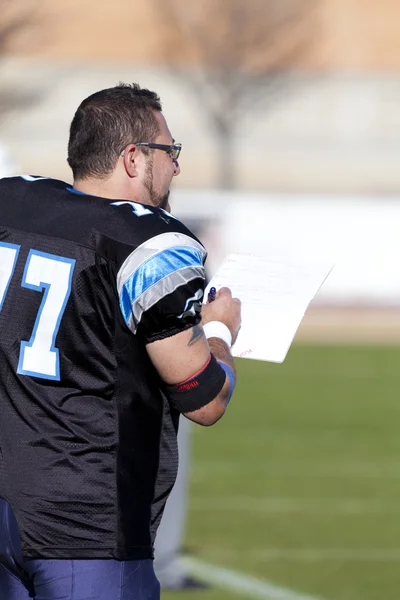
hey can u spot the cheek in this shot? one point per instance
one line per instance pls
(157, 179)
(163, 176)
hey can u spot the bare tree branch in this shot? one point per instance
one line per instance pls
(234, 54)
(16, 17)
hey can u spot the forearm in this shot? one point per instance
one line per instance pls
(212, 412)
(221, 352)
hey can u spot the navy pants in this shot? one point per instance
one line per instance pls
(48, 579)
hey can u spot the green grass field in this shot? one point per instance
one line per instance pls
(299, 484)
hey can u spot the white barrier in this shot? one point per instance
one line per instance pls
(362, 235)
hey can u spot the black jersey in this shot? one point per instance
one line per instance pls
(87, 438)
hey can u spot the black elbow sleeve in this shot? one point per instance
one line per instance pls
(199, 390)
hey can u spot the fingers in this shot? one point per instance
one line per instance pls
(225, 309)
(224, 291)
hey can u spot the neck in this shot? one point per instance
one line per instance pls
(104, 188)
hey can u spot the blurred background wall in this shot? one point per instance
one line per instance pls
(313, 89)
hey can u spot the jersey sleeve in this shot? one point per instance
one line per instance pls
(161, 286)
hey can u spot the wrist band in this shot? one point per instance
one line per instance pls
(231, 377)
(218, 330)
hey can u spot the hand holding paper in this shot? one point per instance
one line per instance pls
(222, 311)
(275, 293)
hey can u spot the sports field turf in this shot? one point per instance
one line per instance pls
(299, 484)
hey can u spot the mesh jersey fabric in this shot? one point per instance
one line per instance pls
(88, 450)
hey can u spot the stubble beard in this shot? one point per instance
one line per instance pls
(159, 200)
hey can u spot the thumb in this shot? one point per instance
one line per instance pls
(224, 291)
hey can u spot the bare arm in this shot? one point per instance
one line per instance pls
(179, 357)
(215, 409)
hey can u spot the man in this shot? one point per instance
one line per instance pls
(101, 349)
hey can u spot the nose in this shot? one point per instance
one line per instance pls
(177, 168)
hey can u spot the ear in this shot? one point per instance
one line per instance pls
(130, 157)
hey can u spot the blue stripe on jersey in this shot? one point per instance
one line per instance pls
(77, 192)
(153, 270)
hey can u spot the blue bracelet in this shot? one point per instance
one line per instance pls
(232, 379)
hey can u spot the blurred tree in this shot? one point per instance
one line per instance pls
(16, 16)
(239, 52)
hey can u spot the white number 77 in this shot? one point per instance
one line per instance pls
(39, 357)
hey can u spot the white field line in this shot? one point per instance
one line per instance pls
(342, 506)
(240, 583)
(309, 471)
(379, 555)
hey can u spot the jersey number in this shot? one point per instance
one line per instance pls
(52, 274)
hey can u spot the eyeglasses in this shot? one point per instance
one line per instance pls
(173, 150)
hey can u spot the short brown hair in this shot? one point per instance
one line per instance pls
(105, 123)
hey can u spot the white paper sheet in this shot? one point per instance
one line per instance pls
(275, 292)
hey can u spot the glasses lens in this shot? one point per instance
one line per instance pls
(175, 152)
